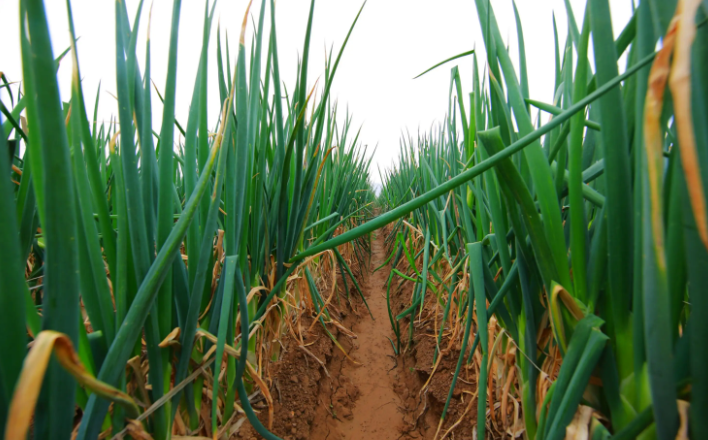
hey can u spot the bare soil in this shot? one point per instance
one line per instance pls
(374, 394)
(377, 413)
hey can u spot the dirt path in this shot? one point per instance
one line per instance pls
(379, 398)
(376, 414)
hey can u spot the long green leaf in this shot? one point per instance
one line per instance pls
(470, 173)
(53, 180)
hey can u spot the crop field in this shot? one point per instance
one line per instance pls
(532, 269)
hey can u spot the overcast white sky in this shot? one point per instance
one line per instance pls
(394, 40)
